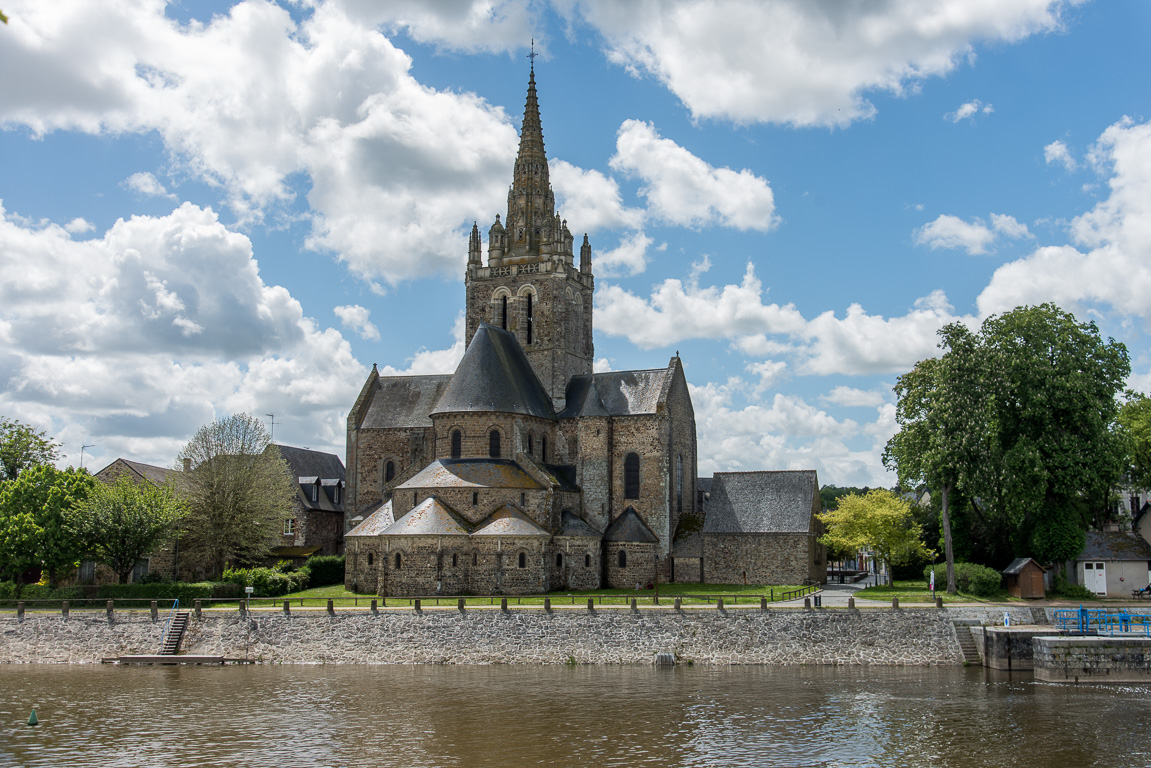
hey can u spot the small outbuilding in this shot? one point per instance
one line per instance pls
(1025, 578)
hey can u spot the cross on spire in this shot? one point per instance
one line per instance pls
(533, 55)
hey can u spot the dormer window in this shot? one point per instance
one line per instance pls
(316, 491)
(336, 494)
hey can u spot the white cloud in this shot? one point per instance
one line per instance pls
(590, 200)
(769, 373)
(603, 365)
(628, 258)
(968, 111)
(1114, 265)
(975, 237)
(130, 339)
(355, 318)
(1057, 153)
(852, 397)
(431, 361)
(682, 189)
(492, 26)
(147, 184)
(799, 62)
(79, 226)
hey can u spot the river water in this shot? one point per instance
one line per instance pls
(580, 716)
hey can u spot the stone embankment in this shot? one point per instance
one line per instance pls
(481, 636)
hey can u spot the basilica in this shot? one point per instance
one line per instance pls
(524, 471)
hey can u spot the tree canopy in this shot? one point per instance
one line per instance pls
(121, 522)
(39, 522)
(238, 494)
(1135, 418)
(21, 447)
(878, 521)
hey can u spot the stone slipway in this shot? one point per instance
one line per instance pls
(529, 636)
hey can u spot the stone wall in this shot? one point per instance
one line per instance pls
(1092, 659)
(762, 558)
(369, 449)
(490, 636)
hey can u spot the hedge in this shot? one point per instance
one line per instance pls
(326, 570)
(184, 591)
(971, 578)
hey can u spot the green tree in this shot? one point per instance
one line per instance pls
(1135, 418)
(879, 521)
(238, 494)
(942, 413)
(21, 447)
(123, 521)
(39, 522)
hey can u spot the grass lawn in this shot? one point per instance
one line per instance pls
(916, 591)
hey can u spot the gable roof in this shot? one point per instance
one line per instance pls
(153, 474)
(762, 502)
(629, 527)
(1017, 564)
(1115, 545)
(378, 519)
(471, 473)
(495, 375)
(404, 401)
(431, 517)
(509, 521)
(306, 463)
(572, 525)
(616, 393)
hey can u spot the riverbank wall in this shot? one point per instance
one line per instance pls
(477, 636)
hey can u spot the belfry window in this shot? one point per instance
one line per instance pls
(631, 476)
(543, 447)
(529, 319)
(457, 443)
(494, 444)
(504, 313)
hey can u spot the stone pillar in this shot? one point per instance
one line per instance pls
(807, 602)
(634, 608)
(895, 602)
(197, 607)
(462, 603)
(763, 603)
(939, 602)
(591, 603)
(155, 612)
(547, 604)
(678, 603)
(851, 602)
(111, 611)
(374, 608)
(20, 611)
(331, 606)
(287, 608)
(719, 603)
(64, 609)
(504, 604)
(416, 604)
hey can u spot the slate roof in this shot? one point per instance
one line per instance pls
(404, 401)
(1115, 545)
(471, 473)
(572, 525)
(153, 474)
(509, 521)
(495, 375)
(1017, 564)
(431, 517)
(308, 463)
(616, 393)
(629, 527)
(377, 520)
(761, 502)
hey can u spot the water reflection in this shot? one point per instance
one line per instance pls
(611, 716)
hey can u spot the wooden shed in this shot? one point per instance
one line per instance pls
(1025, 578)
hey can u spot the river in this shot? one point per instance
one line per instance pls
(588, 716)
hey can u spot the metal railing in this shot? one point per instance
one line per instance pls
(168, 622)
(1085, 621)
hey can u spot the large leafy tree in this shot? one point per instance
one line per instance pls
(942, 414)
(123, 521)
(879, 521)
(39, 521)
(21, 447)
(238, 493)
(1135, 417)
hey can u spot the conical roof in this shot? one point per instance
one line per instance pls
(509, 521)
(431, 517)
(495, 375)
(629, 527)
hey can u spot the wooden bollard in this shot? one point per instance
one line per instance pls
(416, 604)
(763, 603)
(895, 602)
(287, 607)
(374, 608)
(851, 602)
(547, 604)
(807, 602)
(155, 612)
(655, 599)
(678, 603)
(20, 611)
(938, 602)
(634, 608)
(591, 603)
(111, 610)
(197, 606)
(64, 609)
(719, 603)
(331, 606)
(461, 604)
(504, 604)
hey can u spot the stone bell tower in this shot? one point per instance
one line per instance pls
(530, 285)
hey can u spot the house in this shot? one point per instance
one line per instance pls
(164, 559)
(318, 524)
(1113, 563)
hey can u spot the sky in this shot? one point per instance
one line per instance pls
(209, 208)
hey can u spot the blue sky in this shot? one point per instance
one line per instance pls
(211, 208)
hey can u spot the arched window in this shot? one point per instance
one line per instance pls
(587, 561)
(543, 447)
(528, 317)
(531, 445)
(399, 561)
(631, 476)
(523, 560)
(623, 558)
(559, 559)
(454, 561)
(504, 313)
(475, 558)
(457, 443)
(369, 558)
(494, 444)
(389, 471)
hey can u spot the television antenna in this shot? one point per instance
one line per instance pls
(272, 429)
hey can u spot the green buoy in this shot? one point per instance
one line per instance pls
(32, 719)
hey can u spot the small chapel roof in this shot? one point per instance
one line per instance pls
(509, 521)
(616, 393)
(629, 527)
(495, 375)
(762, 502)
(431, 517)
(404, 401)
(471, 473)
(572, 525)
(379, 517)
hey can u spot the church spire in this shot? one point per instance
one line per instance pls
(531, 203)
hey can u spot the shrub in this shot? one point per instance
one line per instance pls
(326, 569)
(268, 582)
(1063, 588)
(165, 591)
(971, 578)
